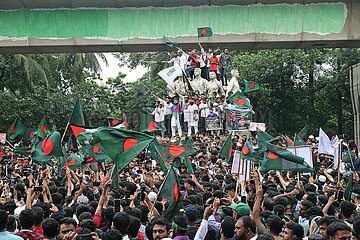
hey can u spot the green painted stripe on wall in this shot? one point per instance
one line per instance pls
(183, 21)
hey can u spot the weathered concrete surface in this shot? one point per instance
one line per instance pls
(324, 24)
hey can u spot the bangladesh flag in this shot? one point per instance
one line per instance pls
(262, 138)
(41, 130)
(204, 32)
(120, 145)
(116, 122)
(73, 161)
(148, 123)
(95, 152)
(170, 151)
(240, 100)
(348, 188)
(188, 165)
(298, 141)
(154, 154)
(47, 148)
(251, 86)
(170, 191)
(289, 141)
(15, 131)
(25, 151)
(2, 154)
(278, 158)
(28, 134)
(227, 149)
(249, 153)
(304, 133)
(168, 42)
(77, 116)
(92, 163)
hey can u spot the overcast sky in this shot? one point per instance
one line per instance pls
(113, 69)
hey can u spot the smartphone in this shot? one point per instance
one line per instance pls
(40, 181)
(339, 196)
(87, 172)
(37, 189)
(127, 194)
(80, 236)
(117, 205)
(243, 199)
(142, 194)
(96, 184)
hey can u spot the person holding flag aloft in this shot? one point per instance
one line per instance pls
(175, 118)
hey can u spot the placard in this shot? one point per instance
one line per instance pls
(304, 152)
(212, 123)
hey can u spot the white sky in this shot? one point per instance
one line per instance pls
(113, 69)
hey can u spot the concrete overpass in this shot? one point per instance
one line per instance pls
(41, 26)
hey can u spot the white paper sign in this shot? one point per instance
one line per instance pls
(304, 152)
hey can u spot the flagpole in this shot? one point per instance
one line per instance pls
(7, 142)
(67, 125)
(339, 160)
(160, 188)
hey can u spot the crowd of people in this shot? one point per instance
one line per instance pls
(44, 202)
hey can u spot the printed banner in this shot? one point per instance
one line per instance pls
(238, 119)
(212, 123)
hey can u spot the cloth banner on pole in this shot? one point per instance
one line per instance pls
(169, 74)
(235, 168)
(254, 126)
(238, 119)
(325, 145)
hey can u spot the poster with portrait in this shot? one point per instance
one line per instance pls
(238, 119)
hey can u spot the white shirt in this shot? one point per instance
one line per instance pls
(159, 114)
(176, 61)
(183, 61)
(204, 109)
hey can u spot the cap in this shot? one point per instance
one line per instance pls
(322, 178)
(82, 200)
(191, 210)
(152, 196)
(241, 209)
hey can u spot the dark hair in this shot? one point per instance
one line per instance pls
(84, 208)
(265, 237)
(230, 187)
(314, 211)
(38, 215)
(181, 220)
(50, 227)
(347, 208)
(228, 227)
(311, 197)
(161, 221)
(326, 220)
(337, 226)
(84, 231)
(307, 204)
(296, 229)
(121, 222)
(68, 221)
(282, 201)
(275, 224)
(134, 226)
(268, 203)
(3, 219)
(68, 211)
(89, 224)
(248, 223)
(11, 224)
(27, 219)
(112, 235)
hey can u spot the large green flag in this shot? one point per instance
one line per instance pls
(278, 158)
(77, 116)
(262, 138)
(50, 147)
(348, 189)
(41, 130)
(175, 150)
(249, 153)
(25, 151)
(121, 145)
(251, 86)
(226, 151)
(170, 191)
(154, 153)
(240, 100)
(298, 141)
(73, 161)
(304, 133)
(15, 131)
(148, 123)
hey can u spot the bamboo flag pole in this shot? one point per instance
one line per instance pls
(339, 160)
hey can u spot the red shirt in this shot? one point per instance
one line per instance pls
(214, 62)
(38, 229)
(193, 63)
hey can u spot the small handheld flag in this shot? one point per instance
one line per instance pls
(169, 42)
(204, 32)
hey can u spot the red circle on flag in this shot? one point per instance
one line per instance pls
(129, 143)
(114, 122)
(31, 133)
(96, 149)
(152, 125)
(43, 128)
(203, 32)
(251, 85)
(47, 146)
(72, 162)
(13, 129)
(272, 155)
(290, 141)
(245, 150)
(230, 152)
(241, 101)
(2, 154)
(176, 150)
